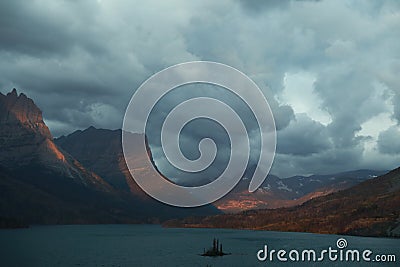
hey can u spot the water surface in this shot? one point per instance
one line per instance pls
(152, 245)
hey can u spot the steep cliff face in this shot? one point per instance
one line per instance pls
(19, 110)
(25, 140)
(24, 136)
(42, 184)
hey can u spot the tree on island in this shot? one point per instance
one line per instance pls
(215, 251)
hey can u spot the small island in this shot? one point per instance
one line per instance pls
(215, 251)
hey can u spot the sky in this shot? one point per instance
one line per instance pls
(329, 69)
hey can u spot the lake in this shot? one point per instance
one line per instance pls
(152, 245)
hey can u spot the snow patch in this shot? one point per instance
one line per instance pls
(268, 187)
(282, 186)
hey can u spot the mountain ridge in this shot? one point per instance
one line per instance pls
(276, 192)
(367, 209)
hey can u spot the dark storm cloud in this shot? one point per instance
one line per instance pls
(40, 28)
(329, 161)
(81, 61)
(397, 107)
(389, 141)
(303, 137)
(61, 56)
(194, 131)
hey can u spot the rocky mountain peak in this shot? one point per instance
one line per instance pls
(19, 111)
(25, 141)
(13, 93)
(24, 136)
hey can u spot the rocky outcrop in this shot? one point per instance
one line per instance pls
(20, 110)
(23, 133)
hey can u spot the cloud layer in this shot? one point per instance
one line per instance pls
(328, 68)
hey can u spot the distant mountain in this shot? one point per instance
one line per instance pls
(370, 208)
(42, 183)
(277, 193)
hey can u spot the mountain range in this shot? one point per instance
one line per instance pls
(370, 208)
(100, 151)
(276, 193)
(41, 183)
(83, 178)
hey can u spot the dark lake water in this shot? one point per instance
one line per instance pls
(152, 245)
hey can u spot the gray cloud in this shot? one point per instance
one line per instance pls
(43, 28)
(256, 6)
(82, 60)
(389, 141)
(303, 137)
